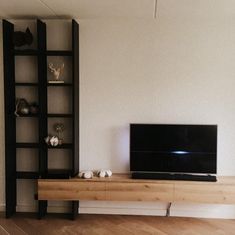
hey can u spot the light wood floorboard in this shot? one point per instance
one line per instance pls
(26, 224)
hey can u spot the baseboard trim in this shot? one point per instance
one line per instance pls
(121, 211)
(207, 214)
(220, 213)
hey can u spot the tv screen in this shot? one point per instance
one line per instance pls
(173, 148)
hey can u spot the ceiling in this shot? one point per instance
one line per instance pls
(196, 9)
(76, 8)
(79, 9)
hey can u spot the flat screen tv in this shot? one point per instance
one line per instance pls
(173, 148)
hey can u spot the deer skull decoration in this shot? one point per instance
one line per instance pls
(56, 71)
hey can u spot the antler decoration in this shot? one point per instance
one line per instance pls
(56, 71)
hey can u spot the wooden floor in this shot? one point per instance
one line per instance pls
(114, 225)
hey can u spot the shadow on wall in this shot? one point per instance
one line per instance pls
(119, 149)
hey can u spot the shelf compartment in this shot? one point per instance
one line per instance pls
(60, 98)
(27, 145)
(58, 174)
(59, 115)
(26, 52)
(27, 175)
(59, 53)
(27, 130)
(63, 146)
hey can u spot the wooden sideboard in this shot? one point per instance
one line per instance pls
(120, 187)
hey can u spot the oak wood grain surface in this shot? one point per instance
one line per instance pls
(25, 224)
(120, 187)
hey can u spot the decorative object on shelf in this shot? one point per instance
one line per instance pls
(22, 107)
(85, 174)
(56, 72)
(52, 140)
(104, 173)
(33, 108)
(59, 128)
(47, 139)
(22, 38)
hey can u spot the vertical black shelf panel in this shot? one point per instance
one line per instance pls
(75, 74)
(42, 91)
(75, 61)
(42, 98)
(10, 122)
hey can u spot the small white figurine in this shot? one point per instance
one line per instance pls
(55, 71)
(52, 140)
(104, 173)
(85, 174)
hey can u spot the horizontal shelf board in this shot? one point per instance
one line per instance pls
(26, 84)
(27, 175)
(50, 115)
(26, 52)
(34, 52)
(27, 145)
(28, 115)
(48, 84)
(55, 115)
(59, 53)
(58, 174)
(59, 84)
(63, 146)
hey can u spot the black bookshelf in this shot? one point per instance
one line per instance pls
(28, 115)
(58, 174)
(60, 84)
(27, 52)
(26, 145)
(27, 175)
(26, 84)
(11, 144)
(62, 115)
(59, 53)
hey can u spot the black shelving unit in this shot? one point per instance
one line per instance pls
(60, 84)
(10, 85)
(26, 84)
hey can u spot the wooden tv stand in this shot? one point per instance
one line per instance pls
(120, 187)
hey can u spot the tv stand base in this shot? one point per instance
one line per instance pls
(121, 187)
(173, 176)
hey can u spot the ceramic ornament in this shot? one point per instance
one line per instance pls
(22, 38)
(85, 174)
(54, 141)
(56, 71)
(21, 107)
(104, 173)
(101, 174)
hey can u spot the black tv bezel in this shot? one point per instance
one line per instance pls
(174, 172)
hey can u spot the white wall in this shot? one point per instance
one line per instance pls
(164, 71)
(154, 72)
